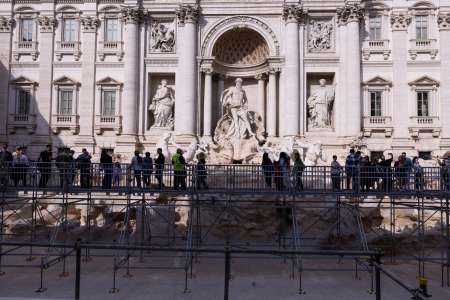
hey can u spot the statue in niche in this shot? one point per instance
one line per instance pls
(320, 106)
(239, 131)
(162, 106)
(162, 38)
(320, 36)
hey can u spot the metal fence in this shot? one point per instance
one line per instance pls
(221, 178)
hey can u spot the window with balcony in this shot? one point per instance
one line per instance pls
(23, 102)
(111, 30)
(65, 106)
(69, 33)
(26, 30)
(422, 104)
(425, 102)
(109, 103)
(65, 102)
(110, 44)
(107, 110)
(375, 27)
(21, 107)
(25, 34)
(376, 103)
(422, 27)
(377, 114)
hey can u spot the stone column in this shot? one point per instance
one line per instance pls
(400, 117)
(6, 26)
(271, 121)
(261, 96)
(186, 75)
(290, 105)
(45, 90)
(341, 96)
(444, 38)
(351, 14)
(207, 103)
(130, 18)
(87, 111)
(220, 89)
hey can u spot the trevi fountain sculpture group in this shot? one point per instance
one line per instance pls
(239, 136)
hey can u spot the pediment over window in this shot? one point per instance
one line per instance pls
(108, 81)
(64, 80)
(378, 81)
(22, 80)
(424, 81)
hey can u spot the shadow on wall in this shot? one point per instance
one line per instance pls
(24, 125)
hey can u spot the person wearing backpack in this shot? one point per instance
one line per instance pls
(179, 170)
(136, 166)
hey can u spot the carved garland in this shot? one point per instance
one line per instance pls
(444, 21)
(6, 24)
(242, 20)
(90, 23)
(400, 21)
(46, 23)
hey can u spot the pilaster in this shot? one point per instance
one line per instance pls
(131, 17)
(6, 26)
(400, 22)
(290, 105)
(350, 16)
(444, 37)
(47, 26)
(186, 74)
(89, 25)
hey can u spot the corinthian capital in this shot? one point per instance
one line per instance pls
(400, 21)
(46, 23)
(131, 15)
(187, 13)
(293, 13)
(444, 21)
(89, 23)
(6, 24)
(349, 13)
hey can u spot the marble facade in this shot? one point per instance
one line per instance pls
(86, 74)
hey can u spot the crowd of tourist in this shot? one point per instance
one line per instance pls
(358, 173)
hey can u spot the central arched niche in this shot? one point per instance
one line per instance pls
(241, 47)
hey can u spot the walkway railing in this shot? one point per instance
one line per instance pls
(73, 176)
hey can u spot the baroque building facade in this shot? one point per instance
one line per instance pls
(120, 74)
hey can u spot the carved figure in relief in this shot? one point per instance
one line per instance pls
(320, 36)
(163, 38)
(320, 106)
(162, 106)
